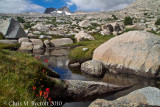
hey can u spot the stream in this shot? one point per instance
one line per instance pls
(58, 61)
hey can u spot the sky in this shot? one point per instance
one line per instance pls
(17, 6)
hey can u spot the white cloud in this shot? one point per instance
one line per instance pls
(102, 5)
(69, 4)
(48, 0)
(16, 6)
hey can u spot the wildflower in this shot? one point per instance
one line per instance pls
(43, 70)
(49, 99)
(45, 60)
(47, 90)
(34, 88)
(42, 85)
(37, 95)
(40, 93)
(39, 57)
(45, 95)
(36, 57)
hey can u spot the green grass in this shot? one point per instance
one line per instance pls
(1, 36)
(19, 73)
(157, 22)
(8, 46)
(128, 29)
(78, 55)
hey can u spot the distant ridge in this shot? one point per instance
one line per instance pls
(65, 8)
(64, 11)
(49, 10)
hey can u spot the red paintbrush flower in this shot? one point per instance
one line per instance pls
(43, 70)
(45, 95)
(47, 90)
(49, 99)
(40, 93)
(42, 85)
(37, 95)
(34, 88)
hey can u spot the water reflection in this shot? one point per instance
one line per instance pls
(124, 80)
(58, 61)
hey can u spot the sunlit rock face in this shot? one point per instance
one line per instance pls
(135, 52)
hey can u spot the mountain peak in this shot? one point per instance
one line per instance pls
(65, 9)
(49, 10)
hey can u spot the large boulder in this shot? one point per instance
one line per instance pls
(57, 33)
(137, 26)
(85, 23)
(93, 68)
(81, 36)
(23, 39)
(107, 27)
(26, 46)
(113, 27)
(48, 44)
(145, 97)
(61, 42)
(11, 29)
(135, 53)
(40, 27)
(38, 44)
(105, 32)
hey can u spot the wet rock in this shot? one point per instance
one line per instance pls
(81, 36)
(38, 44)
(75, 65)
(93, 68)
(11, 29)
(134, 53)
(148, 96)
(88, 90)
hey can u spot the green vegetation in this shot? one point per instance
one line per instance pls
(22, 77)
(145, 14)
(128, 21)
(114, 17)
(21, 20)
(28, 25)
(78, 55)
(8, 46)
(157, 22)
(54, 20)
(128, 29)
(1, 36)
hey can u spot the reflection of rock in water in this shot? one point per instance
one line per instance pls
(57, 52)
(58, 61)
(120, 79)
(38, 52)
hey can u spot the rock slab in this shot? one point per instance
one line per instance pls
(149, 96)
(11, 29)
(135, 53)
